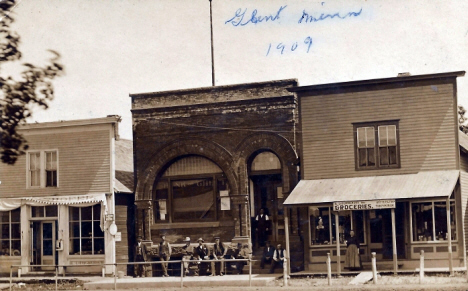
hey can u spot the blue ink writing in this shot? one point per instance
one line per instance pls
(307, 18)
(284, 48)
(240, 14)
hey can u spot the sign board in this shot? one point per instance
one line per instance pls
(225, 203)
(364, 205)
(118, 236)
(224, 193)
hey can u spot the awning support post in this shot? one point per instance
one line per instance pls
(286, 230)
(338, 252)
(395, 262)
(449, 237)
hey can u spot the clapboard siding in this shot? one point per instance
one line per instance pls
(426, 128)
(84, 164)
(464, 192)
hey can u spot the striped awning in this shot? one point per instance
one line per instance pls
(420, 185)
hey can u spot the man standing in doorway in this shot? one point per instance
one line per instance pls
(262, 228)
(164, 253)
(140, 256)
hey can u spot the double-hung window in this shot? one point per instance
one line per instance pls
(10, 233)
(42, 169)
(376, 145)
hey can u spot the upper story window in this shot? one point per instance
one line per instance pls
(377, 145)
(42, 169)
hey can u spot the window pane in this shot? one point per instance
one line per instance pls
(86, 246)
(74, 229)
(47, 247)
(392, 155)
(370, 137)
(16, 215)
(74, 213)
(4, 216)
(453, 222)
(422, 221)
(51, 160)
(383, 138)
(51, 178)
(383, 156)
(5, 250)
(47, 230)
(391, 130)
(37, 211)
(344, 225)
(51, 211)
(97, 212)
(320, 225)
(35, 178)
(371, 157)
(74, 246)
(99, 246)
(185, 192)
(86, 229)
(440, 215)
(5, 230)
(375, 219)
(97, 229)
(358, 225)
(361, 137)
(34, 161)
(16, 247)
(15, 230)
(87, 213)
(362, 157)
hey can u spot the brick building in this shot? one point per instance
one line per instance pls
(207, 159)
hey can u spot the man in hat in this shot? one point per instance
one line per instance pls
(201, 253)
(140, 256)
(217, 253)
(165, 252)
(187, 250)
(267, 256)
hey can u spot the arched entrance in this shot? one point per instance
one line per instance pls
(266, 192)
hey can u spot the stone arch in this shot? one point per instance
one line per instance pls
(184, 147)
(275, 143)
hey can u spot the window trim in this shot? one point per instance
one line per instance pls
(42, 168)
(80, 237)
(375, 125)
(433, 219)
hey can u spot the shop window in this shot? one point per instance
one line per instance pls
(430, 221)
(42, 169)
(376, 145)
(322, 225)
(10, 233)
(86, 236)
(189, 190)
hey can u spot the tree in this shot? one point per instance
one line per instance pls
(462, 119)
(18, 97)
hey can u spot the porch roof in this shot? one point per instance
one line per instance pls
(420, 185)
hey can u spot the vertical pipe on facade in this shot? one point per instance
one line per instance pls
(338, 251)
(286, 230)
(395, 263)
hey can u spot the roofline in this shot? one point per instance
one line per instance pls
(293, 82)
(377, 81)
(67, 123)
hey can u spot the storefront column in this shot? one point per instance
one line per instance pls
(286, 231)
(26, 249)
(143, 219)
(449, 237)
(337, 238)
(395, 262)
(240, 203)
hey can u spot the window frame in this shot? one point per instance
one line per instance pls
(42, 168)
(80, 236)
(10, 231)
(376, 125)
(433, 230)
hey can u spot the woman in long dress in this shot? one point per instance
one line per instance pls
(352, 258)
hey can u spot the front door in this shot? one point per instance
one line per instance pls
(44, 244)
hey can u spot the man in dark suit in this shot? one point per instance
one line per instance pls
(201, 253)
(263, 224)
(165, 252)
(278, 258)
(140, 256)
(217, 253)
(267, 256)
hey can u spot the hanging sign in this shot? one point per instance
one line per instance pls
(364, 205)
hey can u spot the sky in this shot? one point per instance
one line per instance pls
(112, 48)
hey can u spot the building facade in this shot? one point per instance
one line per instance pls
(208, 159)
(381, 157)
(58, 202)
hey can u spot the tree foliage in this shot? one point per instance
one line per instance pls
(18, 97)
(462, 120)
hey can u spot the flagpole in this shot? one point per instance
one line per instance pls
(212, 57)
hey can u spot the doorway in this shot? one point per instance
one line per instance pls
(43, 244)
(265, 194)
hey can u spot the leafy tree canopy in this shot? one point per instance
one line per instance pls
(462, 120)
(19, 96)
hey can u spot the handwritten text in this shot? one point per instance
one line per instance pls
(240, 14)
(307, 18)
(283, 48)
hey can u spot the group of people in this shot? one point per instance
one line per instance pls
(194, 256)
(272, 256)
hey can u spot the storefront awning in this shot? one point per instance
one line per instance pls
(420, 185)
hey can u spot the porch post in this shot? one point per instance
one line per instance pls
(449, 237)
(338, 252)
(395, 263)
(286, 230)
